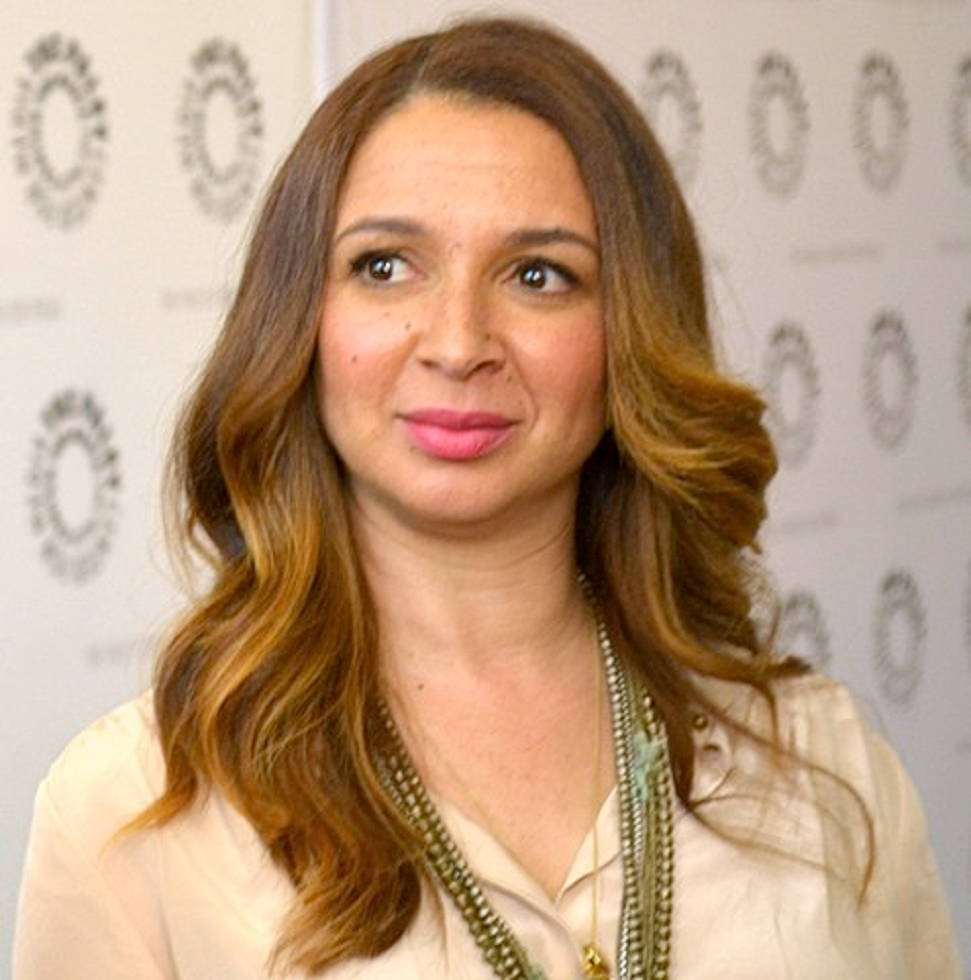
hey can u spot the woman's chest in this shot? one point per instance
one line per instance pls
(736, 917)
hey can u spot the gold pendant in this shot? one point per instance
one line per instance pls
(594, 965)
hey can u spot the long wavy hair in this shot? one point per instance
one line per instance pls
(268, 686)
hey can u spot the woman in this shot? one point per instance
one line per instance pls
(477, 689)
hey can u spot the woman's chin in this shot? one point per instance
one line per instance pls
(461, 513)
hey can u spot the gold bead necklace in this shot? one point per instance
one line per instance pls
(644, 786)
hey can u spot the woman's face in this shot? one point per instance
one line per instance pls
(461, 336)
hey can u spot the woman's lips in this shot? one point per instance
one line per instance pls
(448, 434)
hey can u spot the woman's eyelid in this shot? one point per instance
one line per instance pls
(567, 275)
(367, 253)
(361, 259)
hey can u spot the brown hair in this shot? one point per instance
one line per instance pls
(268, 686)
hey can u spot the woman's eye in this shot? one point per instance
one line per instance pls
(383, 267)
(545, 277)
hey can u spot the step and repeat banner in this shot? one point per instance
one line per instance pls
(135, 140)
(825, 148)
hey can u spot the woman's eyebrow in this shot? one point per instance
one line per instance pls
(415, 229)
(549, 236)
(396, 226)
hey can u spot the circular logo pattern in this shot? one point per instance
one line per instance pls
(803, 629)
(889, 380)
(220, 129)
(671, 104)
(73, 483)
(60, 131)
(964, 366)
(899, 628)
(791, 385)
(778, 125)
(880, 122)
(961, 120)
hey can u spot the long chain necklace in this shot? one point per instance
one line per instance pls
(646, 839)
(592, 959)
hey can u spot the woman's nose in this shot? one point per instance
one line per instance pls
(458, 336)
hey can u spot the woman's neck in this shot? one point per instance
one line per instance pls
(490, 667)
(497, 603)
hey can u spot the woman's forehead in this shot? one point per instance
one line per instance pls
(452, 155)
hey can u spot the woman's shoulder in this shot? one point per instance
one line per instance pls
(824, 722)
(813, 692)
(829, 727)
(817, 720)
(800, 703)
(811, 713)
(818, 712)
(107, 773)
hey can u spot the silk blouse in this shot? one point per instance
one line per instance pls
(774, 894)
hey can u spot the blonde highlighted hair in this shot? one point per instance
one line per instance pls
(267, 688)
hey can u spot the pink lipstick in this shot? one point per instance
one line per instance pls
(447, 434)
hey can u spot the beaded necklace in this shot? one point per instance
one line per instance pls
(644, 789)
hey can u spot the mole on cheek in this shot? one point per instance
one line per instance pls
(407, 327)
(353, 358)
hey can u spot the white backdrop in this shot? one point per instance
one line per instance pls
(826, 149)
(135, 140)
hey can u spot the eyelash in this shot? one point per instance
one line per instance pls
(569, 277)
(360, 263)
(359, 266)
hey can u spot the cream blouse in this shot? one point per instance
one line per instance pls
(200, 899)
